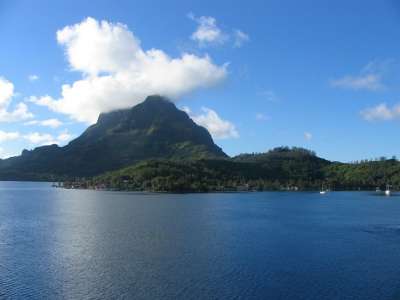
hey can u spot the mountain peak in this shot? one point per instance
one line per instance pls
(156, 99)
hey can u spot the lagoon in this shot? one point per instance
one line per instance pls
(83, 244)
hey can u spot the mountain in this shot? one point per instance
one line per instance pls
(153, 129)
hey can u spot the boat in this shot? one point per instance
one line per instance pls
(323, 190)
(387, 191)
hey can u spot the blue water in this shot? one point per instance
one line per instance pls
(77, 244)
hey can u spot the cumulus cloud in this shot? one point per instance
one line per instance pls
(207, 32)
(117, 73)
(20, 111)
(33, 77)
(53, 123)
(218, 128)
(240, 38)
(308, 136)
(381, 112)
(8, 136)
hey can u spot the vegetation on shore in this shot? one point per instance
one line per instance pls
(282, 168)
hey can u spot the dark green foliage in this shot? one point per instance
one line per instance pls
(366, 175)
(291, 169)
(279, 169)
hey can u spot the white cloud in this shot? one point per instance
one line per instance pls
(240, 38)
(33, 77)
(308, 136)
(6, 154)
(381, 112)
(8, 136)
(53, 123)
(117, 73)
(369, 78)
(207, 32)
(261, 117)
(20, 111)
(42, 139)
(218, 128)
(187, 110)
(39, 138)
(6, 92)
(64, 136)
(370, 82)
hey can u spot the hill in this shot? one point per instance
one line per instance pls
(283, 167)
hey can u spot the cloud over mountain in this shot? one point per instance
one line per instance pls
(218, 127)
(118, 73)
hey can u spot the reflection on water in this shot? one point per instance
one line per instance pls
(76, 244)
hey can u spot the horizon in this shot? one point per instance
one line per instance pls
(318, 76)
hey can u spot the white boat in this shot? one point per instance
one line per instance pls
(387, 191)
(323, 190)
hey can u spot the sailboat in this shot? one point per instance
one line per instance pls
(387, 191)
(322, 191)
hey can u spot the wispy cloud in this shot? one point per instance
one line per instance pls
(33, 77)
(369, 78)
(262, 117)
(308, 136)
(240, 38)
(381, 112)
(370, 82)
(268, 95)
(53, 123)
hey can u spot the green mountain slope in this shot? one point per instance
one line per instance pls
(154, 129)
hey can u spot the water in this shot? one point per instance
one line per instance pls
(76, 244)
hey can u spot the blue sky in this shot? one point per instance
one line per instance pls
(259, 74)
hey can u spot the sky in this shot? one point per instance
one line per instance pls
(324, 75)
